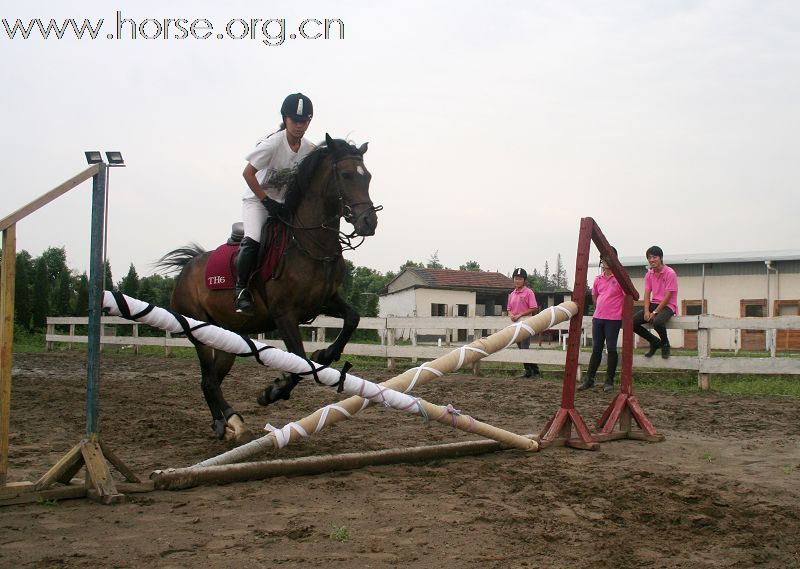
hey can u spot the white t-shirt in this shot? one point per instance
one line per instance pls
(275, 162)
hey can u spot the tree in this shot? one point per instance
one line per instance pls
(560, 276)
(546, 275)
(41, 296)
(411, 265)
(23, 302)
(130, 283)
(81, 306)
(470, 266)
(433, 261)
(537, 281)
(108, 280)
(62, 295)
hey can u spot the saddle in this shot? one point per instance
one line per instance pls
(221, 266)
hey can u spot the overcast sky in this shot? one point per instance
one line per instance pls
(493, 127)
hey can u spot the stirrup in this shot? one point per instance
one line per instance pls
(244, 301)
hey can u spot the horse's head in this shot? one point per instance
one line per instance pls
(351, 179)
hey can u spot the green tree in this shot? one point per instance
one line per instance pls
(63, 295)
(81, 305)
(108, 280)
(411, 265)
(560, 276)
(41, 294)
(433, 261)
(130, 283)
(536, 281)
(23, 302)
(470, 266)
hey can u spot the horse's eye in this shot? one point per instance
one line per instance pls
(347, 175)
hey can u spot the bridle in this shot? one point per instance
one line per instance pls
(345, 211)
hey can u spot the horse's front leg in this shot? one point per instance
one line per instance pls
(338, 308)
(282, 387)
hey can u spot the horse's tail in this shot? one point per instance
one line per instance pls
(178, 258)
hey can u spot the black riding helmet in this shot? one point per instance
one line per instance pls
(519, 272)
(297, 107)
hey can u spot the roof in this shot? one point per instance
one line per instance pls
(453, 280)
(700, 258)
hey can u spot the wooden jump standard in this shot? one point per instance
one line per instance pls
(558, 431)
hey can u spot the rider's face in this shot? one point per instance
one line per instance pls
(297, 128)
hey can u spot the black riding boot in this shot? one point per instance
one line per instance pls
(245, 265)
(594, 363)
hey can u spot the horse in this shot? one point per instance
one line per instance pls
(331, 183)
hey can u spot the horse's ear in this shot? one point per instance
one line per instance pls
(363, 148)
(328, 140)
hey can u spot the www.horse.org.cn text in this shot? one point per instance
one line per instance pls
(268, 31)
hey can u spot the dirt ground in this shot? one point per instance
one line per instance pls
(722, 490)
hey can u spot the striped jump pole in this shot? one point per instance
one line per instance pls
(405, 382)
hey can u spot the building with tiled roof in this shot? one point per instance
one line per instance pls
(445, 292)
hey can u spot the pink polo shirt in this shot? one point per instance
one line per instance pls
(521, 300)
(609, 297)
(659, 283)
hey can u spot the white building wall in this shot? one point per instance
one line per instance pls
(401, 303)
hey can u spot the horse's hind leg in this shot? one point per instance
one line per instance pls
(214, 366)
(338, 308)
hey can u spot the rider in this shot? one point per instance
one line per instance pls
(269, 168)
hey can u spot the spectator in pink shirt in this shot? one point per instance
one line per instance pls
(660, 302)
(521, 304)
(606, 324)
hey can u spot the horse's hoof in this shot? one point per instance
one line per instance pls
(218, 426)
(272, 395)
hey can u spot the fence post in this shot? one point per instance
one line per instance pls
(703, 352)
(166, 342)
(136, 335)
(51, 329)
(390, 342)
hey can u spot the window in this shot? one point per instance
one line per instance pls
(438, 309)
(692, 308)
(753, 340)
(787, 340)
(462, 309)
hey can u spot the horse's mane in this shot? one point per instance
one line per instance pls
(336, 149)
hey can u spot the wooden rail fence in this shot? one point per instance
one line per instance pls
(704, 363)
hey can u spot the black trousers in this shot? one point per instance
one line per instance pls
(530, 369)
(604, 332)
(659, 324)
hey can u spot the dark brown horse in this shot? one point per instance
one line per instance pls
(331, 183)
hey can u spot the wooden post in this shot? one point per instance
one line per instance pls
(7, 277)
(703, 352)
(558, 430)
(390, 333)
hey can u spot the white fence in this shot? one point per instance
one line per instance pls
(388, 329)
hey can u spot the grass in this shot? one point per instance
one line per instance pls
(340, 533)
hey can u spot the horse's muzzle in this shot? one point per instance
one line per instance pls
(366, 222)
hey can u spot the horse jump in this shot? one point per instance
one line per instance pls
(221, 339)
